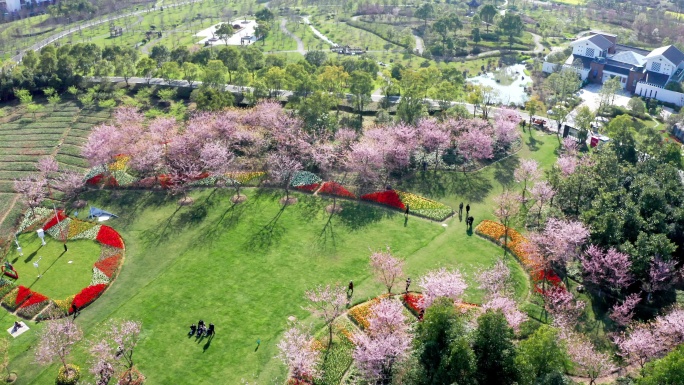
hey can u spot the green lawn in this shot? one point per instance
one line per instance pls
(63, 274)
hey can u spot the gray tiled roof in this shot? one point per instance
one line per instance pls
(630, 58)
(656, 78)
(616, 69)
(601, 41)
(670, 52)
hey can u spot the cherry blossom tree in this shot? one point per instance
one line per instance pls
(386, 268)
(55, 343)
(542, 192)
(588, 361)
(507, 207)
(70, 183)
(327, 302)
(567, 165)
(641, 345)
(433, 137)
(441, 283)
(31, 189)
(509, 308)
(660, 275)
(622, 314)
(283, 169)
(559, 242)
(570, 146)
(563, 306)
(115, 349)
(386, 341)
(475, 145)
(366, 160)
(526, 173)
(609, 268)
(47, 165)
(495, 281)
(216, 159)
(297, 350)
(506, 127)
(103, 143)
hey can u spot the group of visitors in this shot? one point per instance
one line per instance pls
(469, 219)
(201, 330)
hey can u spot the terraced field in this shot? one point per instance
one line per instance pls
(25, 138)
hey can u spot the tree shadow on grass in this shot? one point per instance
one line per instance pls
(503, 170)
(227, 220)
(471, 186)
(474, 187)
(356, 215)
(160, 233)
(327, 235)
(532, 143)
(268, 234)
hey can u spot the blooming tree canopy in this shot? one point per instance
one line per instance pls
(386, 268)
(56, 340)
(609, 268)
(296, 349)
(441, 283)
(327, 302)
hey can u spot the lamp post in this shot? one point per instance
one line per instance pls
(35, 264)
(41, 235)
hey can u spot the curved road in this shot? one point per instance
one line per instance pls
(51, 39)
(300, 43)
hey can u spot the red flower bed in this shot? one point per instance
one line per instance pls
(53, 221)
(22, 294)
(112, 182)
(546, 275)
(334, 188)
(411, 301)
(387, 198)
(108, 236)
(109, 265)
(33, 299)
(308, 187)
(165, 181)
(86, 296)
(95, 180)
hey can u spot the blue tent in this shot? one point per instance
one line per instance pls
(96, 212)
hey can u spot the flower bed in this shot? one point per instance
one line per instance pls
(107, 236)
(120, 162)
(54, 220)
(122, 178)
(93, 172)
(208, 181)
(308, 187)
(411, 301)
(360, 313)
(86, 296)
(30, 304)
(303, 178)
(334, 188)
(424, 207)
(495, 232)
(32, 218)
(245, 177)
(94, 181)
(108, 266)
(387, 198)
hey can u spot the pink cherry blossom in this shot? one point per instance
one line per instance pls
(609, 268)
(441, 283)
(514, 317)
(297, 351)
(623, 313)
(387, 269)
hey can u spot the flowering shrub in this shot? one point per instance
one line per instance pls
(308, 187)
(334, 188)
(68, 376)
(107, 236)
(108, 265)
(388, 198)
(425, 207)
(208, 181)
(87, 296)
(55, 218)
(303, 178)
(98, 277)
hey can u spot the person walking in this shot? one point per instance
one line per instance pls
(350, 289)
(467, 209)
(408, 283)
(460, 209)
(407, 211)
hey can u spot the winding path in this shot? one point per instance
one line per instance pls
(300, 43)
(420, 46)
(317, 32)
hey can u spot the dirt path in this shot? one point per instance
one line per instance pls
(420, 46)
(538, 47)
(9, 209)
(300, 43)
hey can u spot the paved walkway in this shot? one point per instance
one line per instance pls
(317, 32)
(300, 43)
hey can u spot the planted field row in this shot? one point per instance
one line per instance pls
(7, 185)
(29, 144)
(17, 158)
(76, 162)
(81, 126)
(79, 133)
(9, 175)
(26, 151)
(74, 140)
(70, 150)
(17, 166)
(24, 133)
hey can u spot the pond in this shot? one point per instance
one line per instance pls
(508, 82)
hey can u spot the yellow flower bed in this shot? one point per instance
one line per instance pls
(120, 163)
(495, 231)
(424, 207)
(245, 177)
(77, 227)
(360, 313)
